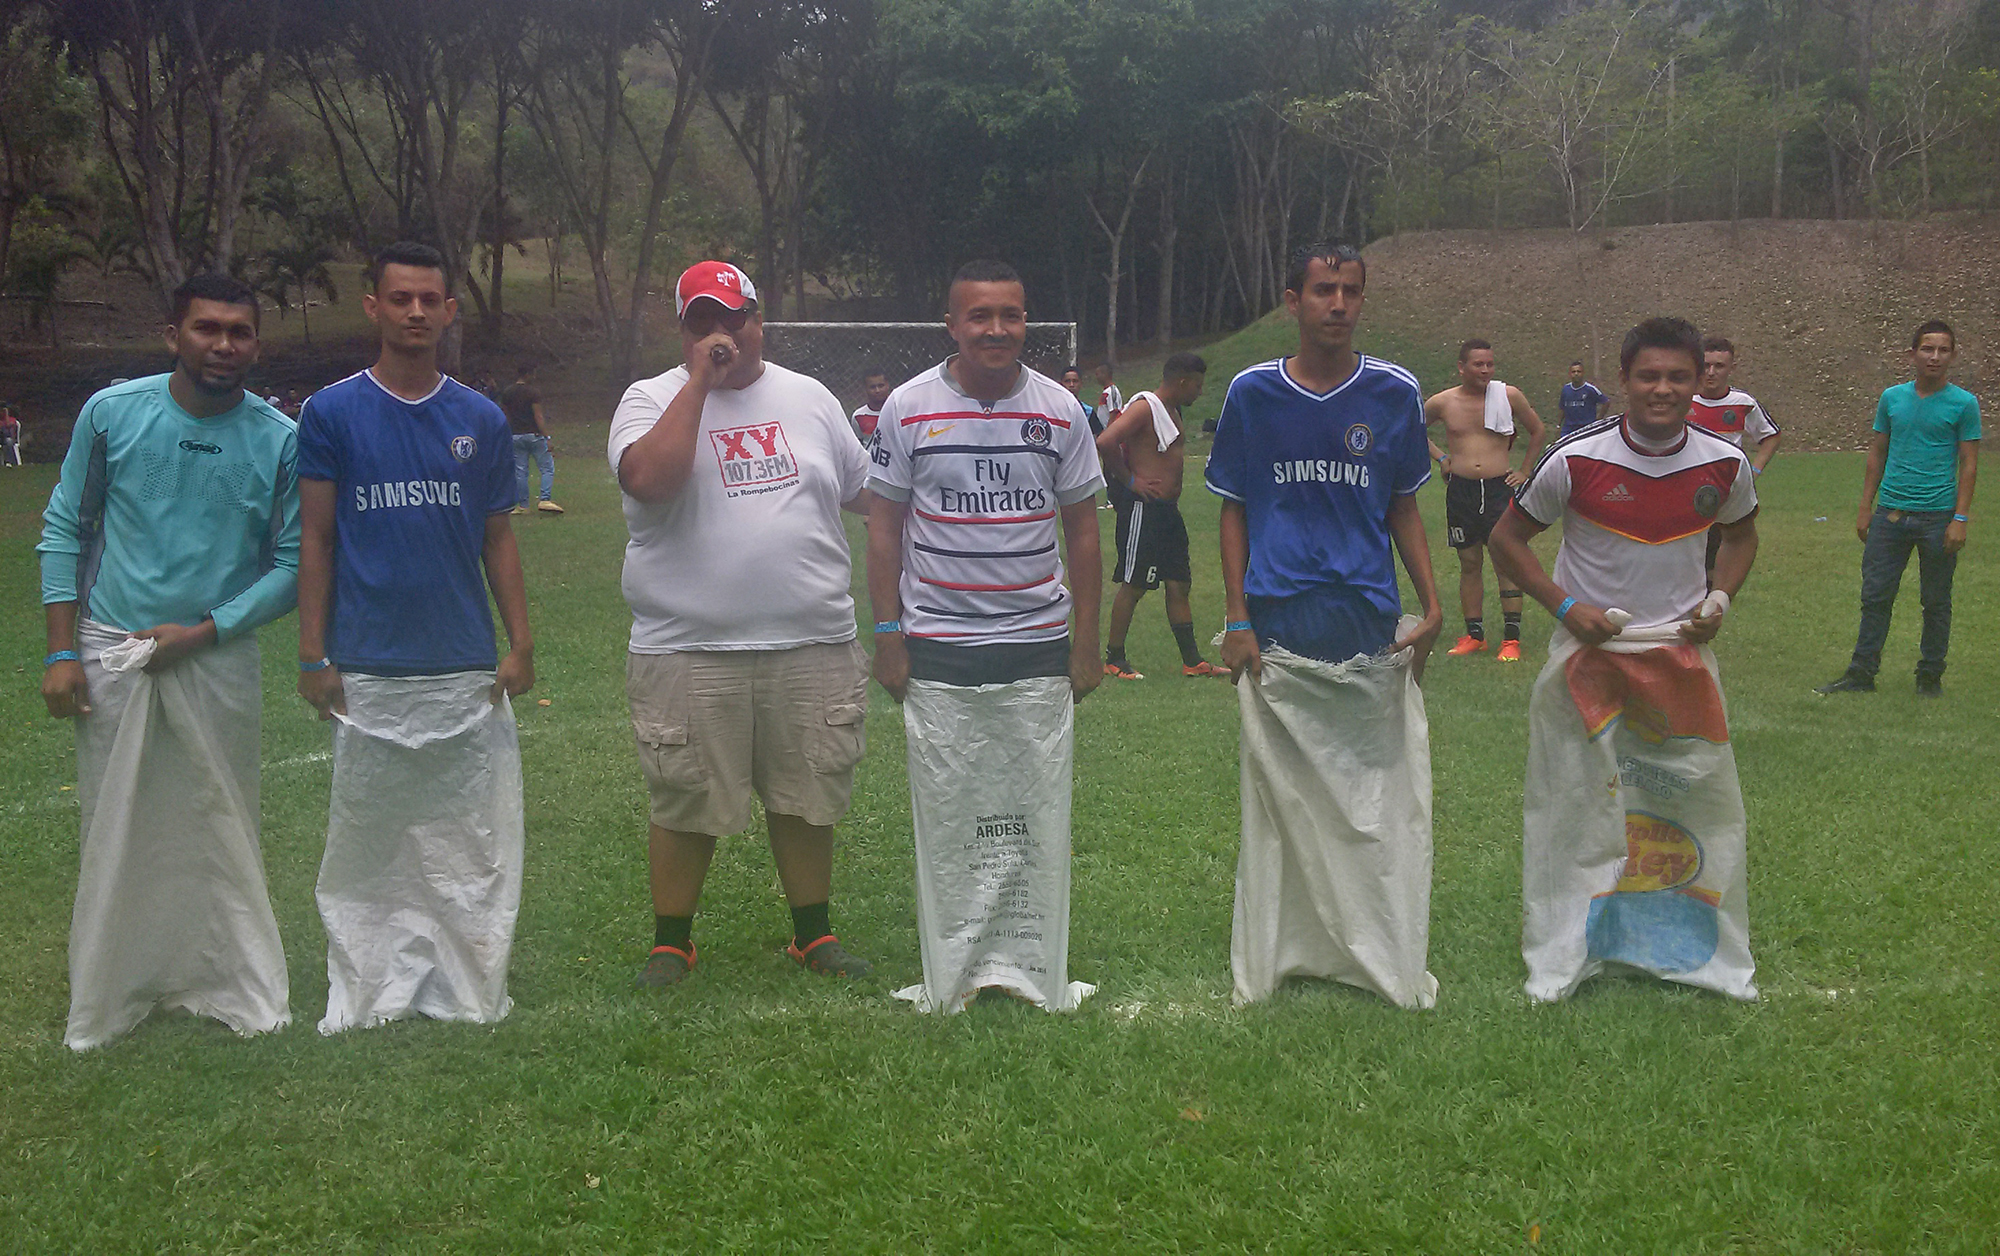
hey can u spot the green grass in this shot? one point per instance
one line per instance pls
(1855, 1109)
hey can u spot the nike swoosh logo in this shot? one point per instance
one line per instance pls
(935, 430)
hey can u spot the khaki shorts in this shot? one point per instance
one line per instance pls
(714, 725)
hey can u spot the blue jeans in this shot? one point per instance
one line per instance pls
(536, 447)
(1883, 560)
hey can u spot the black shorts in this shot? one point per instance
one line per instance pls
(1152, 544)
(1472, 507)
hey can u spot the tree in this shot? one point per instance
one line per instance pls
(45, 120)
(182, 88)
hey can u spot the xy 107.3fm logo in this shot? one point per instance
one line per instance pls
(755, 458)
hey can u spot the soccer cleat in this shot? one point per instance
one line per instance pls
(1849, 682)
(1929, 686)
(1510, 652)
(666, 966)
(549, 507)
(1204, 668)
(1123, 671)
(1468, 645)
(828, 956)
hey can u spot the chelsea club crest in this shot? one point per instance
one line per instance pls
(1358, 439)
(463, 447)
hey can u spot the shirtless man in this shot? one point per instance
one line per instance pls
(1479, 481)
(1143, 448)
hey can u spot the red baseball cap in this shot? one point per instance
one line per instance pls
(720, 282)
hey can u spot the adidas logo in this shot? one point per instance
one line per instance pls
(1619, 493)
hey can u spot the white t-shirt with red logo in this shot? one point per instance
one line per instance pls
(1735, 416)
(1635, 519)
(751, 553)
(864, 420)
(984, 483)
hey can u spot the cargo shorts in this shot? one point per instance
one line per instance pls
(714, 726)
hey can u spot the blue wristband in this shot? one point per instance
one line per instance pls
(1238, 625)
(61, 656)
(889, 625)
(1563, 608)
(1960, 519)
(320, 666)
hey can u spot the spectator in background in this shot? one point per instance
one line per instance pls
(875, 386)
(1581, 404)
(522, 403)
(10, 438)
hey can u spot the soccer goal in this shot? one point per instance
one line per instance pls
(835, 354)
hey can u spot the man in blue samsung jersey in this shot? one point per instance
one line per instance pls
(1318, 458)
(172, 536)
(406, 481)
(1582, 403)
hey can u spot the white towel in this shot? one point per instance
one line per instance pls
(1499, 414)
(1165, 430)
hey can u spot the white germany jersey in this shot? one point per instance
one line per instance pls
(984, 483)
(1735, 416)
(1635, 522)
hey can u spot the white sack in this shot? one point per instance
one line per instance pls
(171, 906)
(990, 774)
(1334, 876)
(1633, 848)
(422, 876)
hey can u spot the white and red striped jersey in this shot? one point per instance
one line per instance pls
(863, 420)
(1635, 519)
(1735, 416)
(984, 483)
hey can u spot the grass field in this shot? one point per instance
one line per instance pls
(1855, 1109)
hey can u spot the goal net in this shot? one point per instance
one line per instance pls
(836, 354)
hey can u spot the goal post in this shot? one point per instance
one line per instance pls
(836, 354)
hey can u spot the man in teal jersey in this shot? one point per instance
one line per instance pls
(1915, 494)
(172, 536)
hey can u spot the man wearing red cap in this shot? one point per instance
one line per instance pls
(744, 675)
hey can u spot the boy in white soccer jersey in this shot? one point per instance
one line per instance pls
(875, 389)
(974, 462)
(1634, 845)
(1731, 414)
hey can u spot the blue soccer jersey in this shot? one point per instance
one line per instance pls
(1315, 473)
(414, 484)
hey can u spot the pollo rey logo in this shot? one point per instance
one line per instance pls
(1659, 855)
(754, 459)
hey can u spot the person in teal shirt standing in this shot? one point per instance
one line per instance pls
(171, 537)
(1915, 495)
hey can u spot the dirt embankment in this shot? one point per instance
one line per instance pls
(1821, 312)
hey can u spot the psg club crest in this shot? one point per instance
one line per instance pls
(1707, 500)
(1358, 439)
(1035, 432)
(463, 447)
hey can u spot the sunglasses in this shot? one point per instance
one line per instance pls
(702, 319)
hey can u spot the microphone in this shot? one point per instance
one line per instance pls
(718, 355)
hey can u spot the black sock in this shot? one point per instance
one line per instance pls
(809, 924)
(1114, 652)
(1184, 637)
(672, 931)
(1512, 629)
(1475, 627)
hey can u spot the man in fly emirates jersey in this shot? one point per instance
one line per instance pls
(1731, 414)
(1634, 850)
(974, 462)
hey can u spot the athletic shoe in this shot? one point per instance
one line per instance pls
(666, 966)
(1123, 671)
(549, 507)
(522, 510)
(1930, 687)
(1849, 682)
(1467, 645)
(1205, 668)
(1510, 652)
(828, 956)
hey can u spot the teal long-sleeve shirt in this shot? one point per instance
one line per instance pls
(163, 518)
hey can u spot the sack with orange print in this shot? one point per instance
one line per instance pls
(1633, 853)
